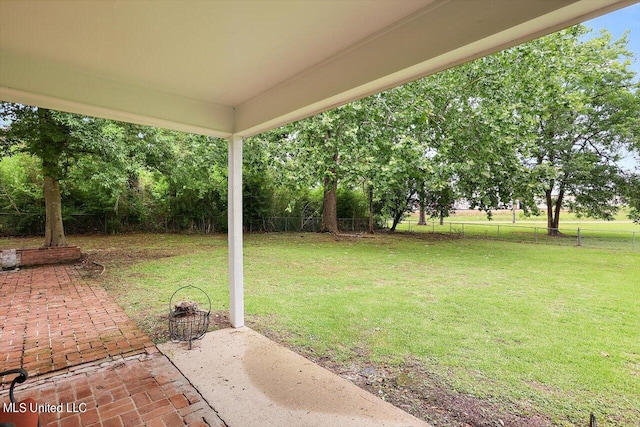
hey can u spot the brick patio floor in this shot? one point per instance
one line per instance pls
(52, 319)
(79, 347)
(140, 390)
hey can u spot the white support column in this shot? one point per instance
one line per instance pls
(236, 273)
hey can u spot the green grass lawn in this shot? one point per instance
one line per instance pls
(534, 329)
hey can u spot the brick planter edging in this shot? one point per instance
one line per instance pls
(10, 258)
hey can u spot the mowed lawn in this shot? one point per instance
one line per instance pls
(533, 329)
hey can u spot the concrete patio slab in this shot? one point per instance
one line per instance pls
(252, 381)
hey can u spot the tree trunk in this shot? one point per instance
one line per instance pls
(54, 229)
(549, 201)
(422, 220)
(558, 208)
(396, 220)
(371, 230)
(422, 196)
(553, 212)
(330, 206)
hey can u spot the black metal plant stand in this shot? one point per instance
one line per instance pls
(186, 321)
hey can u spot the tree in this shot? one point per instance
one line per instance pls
(21, 192)
(395, 162)
(257, 185)
(577, 102)
(631, 195)
(51, 137)
(101, 159)
(194, 178)
(465, 140)
(115, 182)
(320, 151)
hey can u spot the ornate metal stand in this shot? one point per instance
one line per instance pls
(186, 321)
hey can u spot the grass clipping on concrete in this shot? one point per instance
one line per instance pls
(454, 331)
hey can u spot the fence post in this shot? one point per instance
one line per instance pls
(463, 229)
(535, 232)
(633, 241)
(450, 230)
(498, 232)
(579, 238)
(433, 224)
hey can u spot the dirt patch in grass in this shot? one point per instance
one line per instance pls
(102, 259)
(96, 264)
(157, 326)
(412, 388)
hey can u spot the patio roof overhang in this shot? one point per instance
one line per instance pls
(243, 67)
(237, 68)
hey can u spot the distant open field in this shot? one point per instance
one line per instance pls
(453, 330)
(506, 215)
(621, 233)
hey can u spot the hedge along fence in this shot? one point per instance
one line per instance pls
(26, 224)
(30, 224)
(580, 236)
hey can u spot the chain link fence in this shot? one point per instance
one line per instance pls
(311, 224)
(31, 224)
(584, 237)
(28, 224)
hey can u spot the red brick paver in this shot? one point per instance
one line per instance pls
(120, 392)
(52, 319)
(88, 363)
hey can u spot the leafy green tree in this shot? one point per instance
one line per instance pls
(631, 195)
(402, 175)
(394, 159)
(578, 104)
(437, 199)
(56, 139)
(319, 151)
(99, 161)
(257, 185)
(20, 184)
(21, 193)
(196, 180)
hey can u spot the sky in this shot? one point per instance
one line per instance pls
(617, 23)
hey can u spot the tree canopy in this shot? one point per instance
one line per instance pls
(544, 122)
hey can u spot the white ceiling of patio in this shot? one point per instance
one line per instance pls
(243, 67)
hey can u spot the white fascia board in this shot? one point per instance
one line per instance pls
(393, 58)
(58, 87)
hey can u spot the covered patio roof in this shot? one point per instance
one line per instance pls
(242, 67)
(237, 68)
